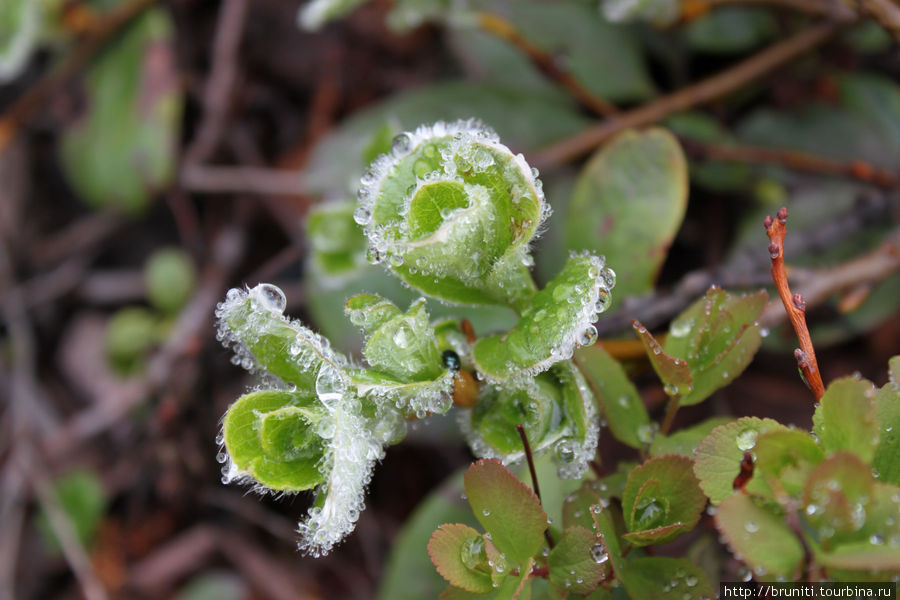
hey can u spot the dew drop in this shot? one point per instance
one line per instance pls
(746, 440)
(270, 297)
(609, 278)
(599, 554)
(362, 215)
(751, 527)
(588, 336)
(401, 143)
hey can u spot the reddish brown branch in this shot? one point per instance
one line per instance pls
(545, 63)
(100, 33)
(795, 160)
(693, 95)
(534, 479)
(793, 304)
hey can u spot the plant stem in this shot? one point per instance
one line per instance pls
(534, 479)
(545, 63)
(796, 160)
(793, 304)
(692, 9)
(693, 95)
(671, 409)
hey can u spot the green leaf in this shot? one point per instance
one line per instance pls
(787, 456)
(20, 23)
(170, 278)
(717, 336)
(559, 318)
(887, 408)
(845, 418)
(758, 536)
(409, 573)
(370, 312)
(556, 409)
(510, 588)
(662, 500)
(717, 459)
(578, 561)
(337, 244)
(535, 406)
(605, 518)
(618, 398)
(457, 552)
(862, 556)
(270, 436)
(684, 441)
(605, 58)
(405, 347)
(83, 500)
(123, 149)
(837, 494)
(507, 509)
(658, 578)
(673, 372)
(628, 204)
(730, 30)
(442, 191)
(252, 323)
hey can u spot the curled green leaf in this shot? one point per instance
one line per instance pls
(556, 410)
(271, 438)
(315, 431)
(408, 369)
(451, 211)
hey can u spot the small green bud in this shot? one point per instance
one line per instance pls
(170, 278)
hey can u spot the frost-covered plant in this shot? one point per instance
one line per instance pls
(452, 212)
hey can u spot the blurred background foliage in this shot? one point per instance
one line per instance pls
(155, 153)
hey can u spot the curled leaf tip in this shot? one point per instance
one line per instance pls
(451, 211)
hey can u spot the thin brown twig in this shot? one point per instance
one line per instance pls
(534, 480)
(17, 114)
(796, 160)
(545, 63)
(72, 549)
(692, 9)
(204, 179)
(794, 304)
(749, 268)
(220, 83)
(818, 285)
(887, 14)
(688, 97)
